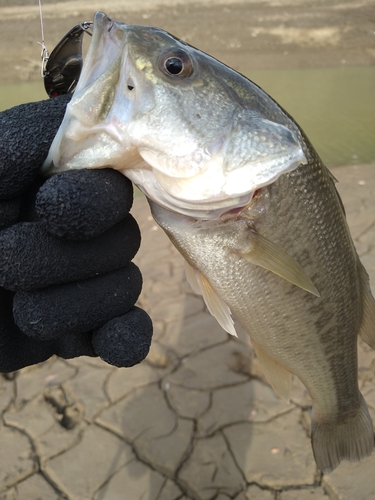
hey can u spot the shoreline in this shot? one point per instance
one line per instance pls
(245, 34)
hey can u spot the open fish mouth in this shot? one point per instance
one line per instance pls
(128, 113)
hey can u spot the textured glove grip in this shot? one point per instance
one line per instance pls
(31, 258)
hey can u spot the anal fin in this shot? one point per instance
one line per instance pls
(278, 377)
(264, 253)
(215, 304)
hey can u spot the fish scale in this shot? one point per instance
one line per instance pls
(242, 194)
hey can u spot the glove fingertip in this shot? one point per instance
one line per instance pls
(124, 341)
(80, 204)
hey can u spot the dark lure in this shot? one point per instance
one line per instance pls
(61, 69)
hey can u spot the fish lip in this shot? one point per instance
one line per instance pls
(94, 65)
(102, 22)
(78, 123)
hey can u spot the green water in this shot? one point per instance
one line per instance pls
(12, 95)
(334, 106)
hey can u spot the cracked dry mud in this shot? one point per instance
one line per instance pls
(196, 420)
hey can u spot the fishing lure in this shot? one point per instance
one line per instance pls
(61, 69)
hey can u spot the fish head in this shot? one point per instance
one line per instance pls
(194, 135)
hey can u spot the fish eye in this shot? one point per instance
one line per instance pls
(176, 63)
(174, 66)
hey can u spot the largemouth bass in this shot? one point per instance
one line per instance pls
(244, 197)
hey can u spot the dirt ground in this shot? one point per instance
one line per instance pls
(245, 35)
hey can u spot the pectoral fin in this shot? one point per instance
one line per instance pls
(278, 377)
(215, 304)
(264, 253)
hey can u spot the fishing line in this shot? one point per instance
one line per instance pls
(44, 54)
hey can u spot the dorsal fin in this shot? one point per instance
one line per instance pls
(215, 304)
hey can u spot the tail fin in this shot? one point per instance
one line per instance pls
(351, 440)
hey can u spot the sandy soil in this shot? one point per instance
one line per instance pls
(245, 35)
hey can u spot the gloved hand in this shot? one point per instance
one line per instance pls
(67, 285)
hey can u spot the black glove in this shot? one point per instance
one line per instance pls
(67, 285)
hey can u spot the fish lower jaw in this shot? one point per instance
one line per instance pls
(206, 209)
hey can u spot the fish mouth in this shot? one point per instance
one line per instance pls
(93, 133)
(101, 128)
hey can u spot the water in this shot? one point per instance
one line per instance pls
(334, 106)
(20, 93)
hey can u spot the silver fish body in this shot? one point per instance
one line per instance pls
(293, 331)
(244, 197)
